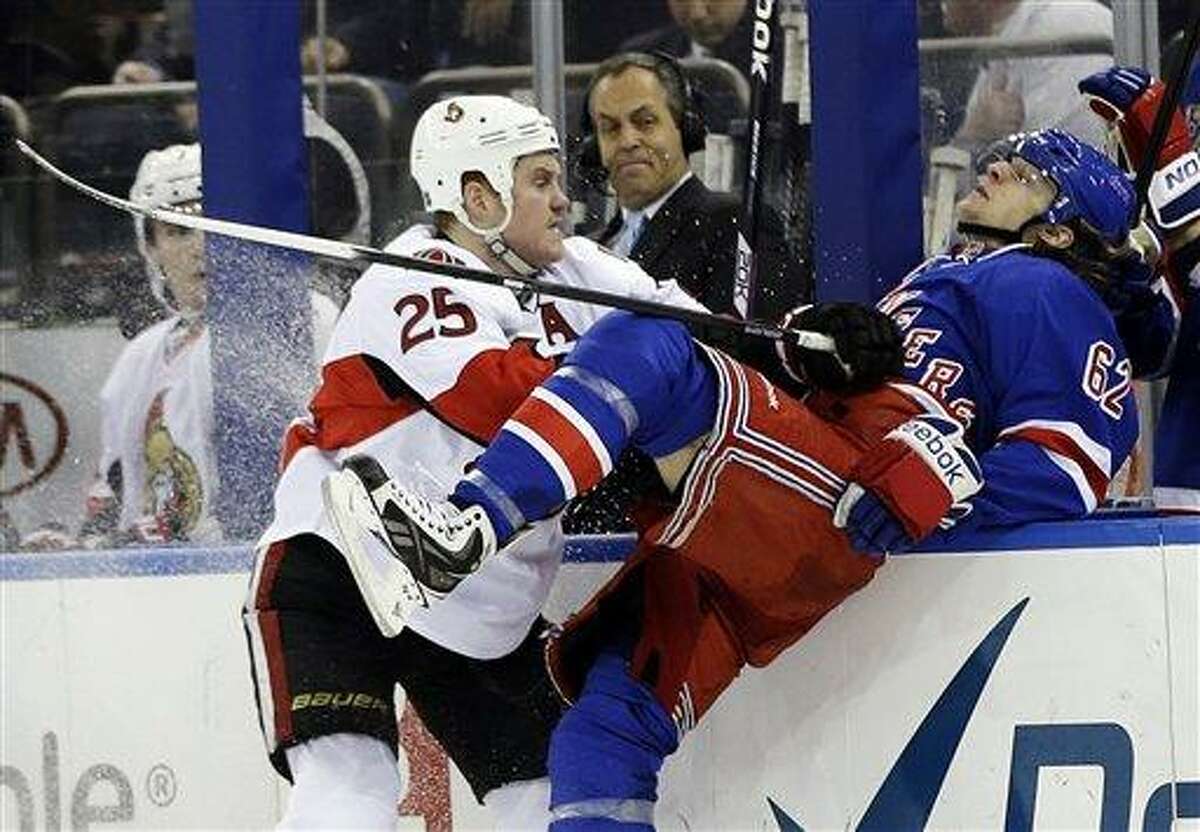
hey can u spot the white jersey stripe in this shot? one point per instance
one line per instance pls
(784, 477)
(704, 456)
(546, 451)
(565, 409)
(1073, 470)
(1100, 456)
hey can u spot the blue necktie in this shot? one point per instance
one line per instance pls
(634, 224)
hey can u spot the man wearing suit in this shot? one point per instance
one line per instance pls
(702, 29)
(645, 124)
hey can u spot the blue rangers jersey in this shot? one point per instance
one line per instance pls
(1028, 358)
(1176, 446)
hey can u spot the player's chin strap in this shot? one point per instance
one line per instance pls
(501, 250)
(1003, 235)
(493, 238)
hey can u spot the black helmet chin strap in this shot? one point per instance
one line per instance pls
(1002, 235)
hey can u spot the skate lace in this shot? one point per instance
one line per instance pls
(443, 518)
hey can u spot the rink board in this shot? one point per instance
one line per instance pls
(1048, 681)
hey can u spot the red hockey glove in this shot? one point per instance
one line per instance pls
(1127, 98)
(918, 478)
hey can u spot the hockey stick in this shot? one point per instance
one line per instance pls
(354, 253)
(1166, 109)
(764, 53)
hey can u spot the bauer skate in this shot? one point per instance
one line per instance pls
(402, 548)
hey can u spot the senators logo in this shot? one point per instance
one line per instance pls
(173, 491)
(33, 434)
(454, 113)
(437, 255)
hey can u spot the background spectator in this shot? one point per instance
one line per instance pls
(701, 29)
(592, 33)
(379, 38)
(49, 45)
(167, 51)
(1016, 94)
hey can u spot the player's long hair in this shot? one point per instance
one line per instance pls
(1098, 262)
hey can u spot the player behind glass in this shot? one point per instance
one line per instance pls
(421, 372)
(156, 477)
(1014, 406)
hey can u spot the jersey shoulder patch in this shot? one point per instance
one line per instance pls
(438, 255)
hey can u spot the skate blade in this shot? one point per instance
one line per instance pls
(389, 588)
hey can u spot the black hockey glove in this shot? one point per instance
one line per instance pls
(868, 347)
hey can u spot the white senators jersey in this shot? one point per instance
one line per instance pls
(421, 372)
(156, 425)
(156, 432)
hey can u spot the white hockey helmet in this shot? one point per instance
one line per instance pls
(484, 133)
(165, 178)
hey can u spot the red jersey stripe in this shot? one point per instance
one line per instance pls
(349, 406)
(566, 439)
(489, 388)
(1062, 444)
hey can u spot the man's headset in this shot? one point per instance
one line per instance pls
(589, 169)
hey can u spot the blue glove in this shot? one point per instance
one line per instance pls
(918, 478)
(874, 530)
(1130, 286)
(1128, 99)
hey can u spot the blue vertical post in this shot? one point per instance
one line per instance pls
(255, 171)
(866, 145)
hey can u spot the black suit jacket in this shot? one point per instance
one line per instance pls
(692, 239)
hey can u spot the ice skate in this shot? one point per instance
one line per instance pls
(401, 547)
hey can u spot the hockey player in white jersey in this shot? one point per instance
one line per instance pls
(156, 477)
(420, 374)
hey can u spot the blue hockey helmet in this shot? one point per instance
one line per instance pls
(1090, 186)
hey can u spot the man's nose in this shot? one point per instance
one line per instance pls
(559, 202)
(628, 137)
(999, 170)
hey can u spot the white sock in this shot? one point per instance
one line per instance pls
(343, 781)
(520, 806)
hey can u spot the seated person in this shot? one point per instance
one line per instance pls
(1015, 94)
(702, 29)
(642, 122)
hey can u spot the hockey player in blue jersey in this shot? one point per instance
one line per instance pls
(783, 507)
(1127, 98)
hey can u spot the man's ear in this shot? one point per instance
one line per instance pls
(1055, 236)
(483, 205)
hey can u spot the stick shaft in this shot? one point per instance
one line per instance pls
(1166, 109)
(764, 74)
(352, 253)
